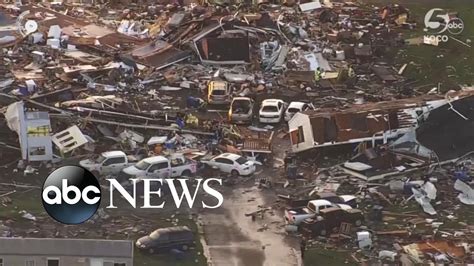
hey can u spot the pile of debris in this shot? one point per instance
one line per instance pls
(128, 83)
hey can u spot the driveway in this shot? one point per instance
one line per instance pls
(234, 239)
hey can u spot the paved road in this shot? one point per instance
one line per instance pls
(234, 239)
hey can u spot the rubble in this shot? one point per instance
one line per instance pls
(197, 85)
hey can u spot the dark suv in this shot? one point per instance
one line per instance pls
(178, 237)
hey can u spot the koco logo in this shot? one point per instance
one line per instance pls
(71, 195)
(438, 24)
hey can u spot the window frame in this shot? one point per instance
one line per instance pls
(115, 263)
(223, 161)
(32, 151)
(53, 259)
(158, 166)
(106, 162)
(161, 164)
(152, 168)
(300, 135)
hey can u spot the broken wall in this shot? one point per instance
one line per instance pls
(227, 50)
(34, 132)
(301, 132)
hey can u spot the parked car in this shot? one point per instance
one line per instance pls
(330, 219)
(110, 162)
(297, 215)
(241, 110)
(161, 167)
(271, 111)
(218, 92)
(350, 200)
(178, 237)
(296, 107)
(231, 163)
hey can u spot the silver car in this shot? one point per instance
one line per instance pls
(218, 92)
(241, 110)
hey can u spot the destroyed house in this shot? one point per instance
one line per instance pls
(368, 122)
(211, 41)
(34, 132)
(222, 44)
(159, 54)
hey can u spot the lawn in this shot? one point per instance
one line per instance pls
(450, 63)
(327, 257)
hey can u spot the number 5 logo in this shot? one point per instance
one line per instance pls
(434, 23)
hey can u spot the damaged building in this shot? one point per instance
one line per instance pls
(371, 122)
(33, 129)
(236, 92)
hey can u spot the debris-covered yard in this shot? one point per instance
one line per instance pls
(341, 131)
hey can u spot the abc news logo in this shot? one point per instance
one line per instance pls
(72, 194)
(438, 22)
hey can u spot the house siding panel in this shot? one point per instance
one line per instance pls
(298, 120)
(19, 260)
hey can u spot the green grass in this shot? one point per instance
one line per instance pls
(29, 202)
(317, 256)
(449, 64)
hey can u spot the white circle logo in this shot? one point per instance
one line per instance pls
(438, 21)
(455, 26)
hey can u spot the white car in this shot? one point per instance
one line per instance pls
(271, 111)
(161, 167)
(231, 163)
(296, 107)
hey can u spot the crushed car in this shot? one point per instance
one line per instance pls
(218, 92)
(241, 110)
(296, 107)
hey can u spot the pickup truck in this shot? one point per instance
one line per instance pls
(161, 167)
(109, 163)
(350, 200)
(297, 215)
(329, 220)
